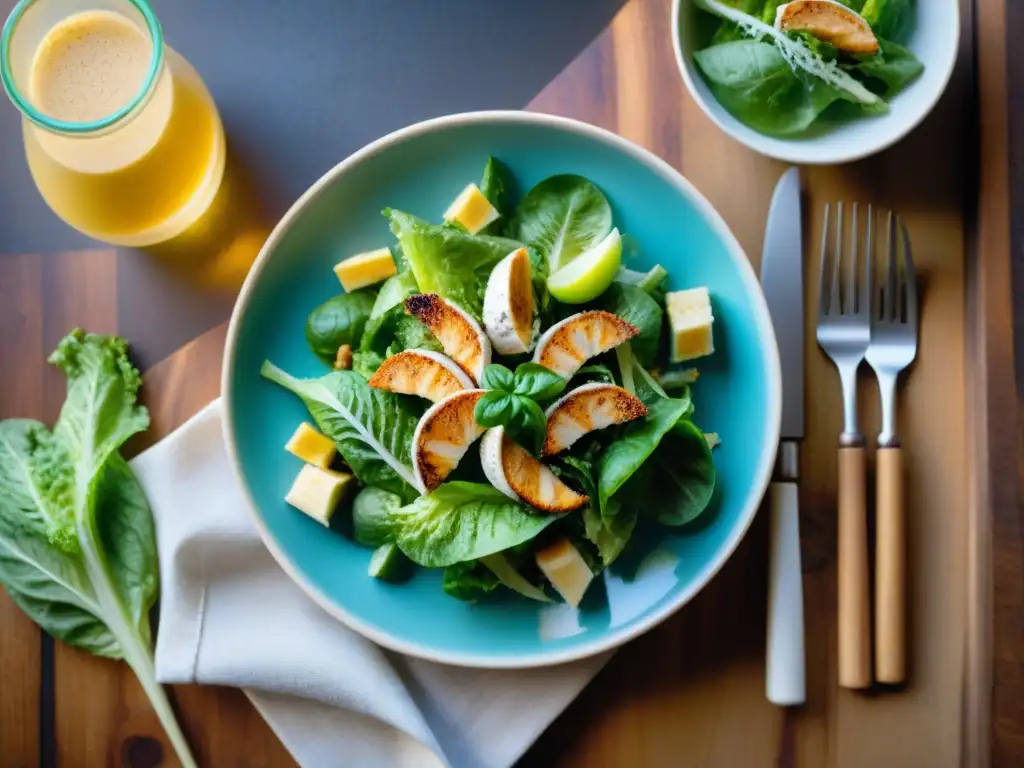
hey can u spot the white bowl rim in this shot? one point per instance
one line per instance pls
(796, 150)
(769, 348)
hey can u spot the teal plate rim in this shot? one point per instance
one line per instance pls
(765, 330)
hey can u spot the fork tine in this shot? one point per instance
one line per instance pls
(824, 302)
(909, 276)
(869, 248)
(889, 298)
(851, 286)
(836, 302)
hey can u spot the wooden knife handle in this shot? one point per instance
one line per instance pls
(854, 615)
(890, 569)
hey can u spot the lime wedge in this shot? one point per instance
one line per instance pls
(588, 275)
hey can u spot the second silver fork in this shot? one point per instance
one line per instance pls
(844, 332)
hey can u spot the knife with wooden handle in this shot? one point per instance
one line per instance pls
(783, 285)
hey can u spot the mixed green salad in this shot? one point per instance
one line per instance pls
(507, 397)
(780, 67)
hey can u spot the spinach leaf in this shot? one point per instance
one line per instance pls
(498, 187)
(677, 482)
(463, 521)
(373, 428)
(470, 581)
(448, 261)
(635, 445)
(595, 373)
(635, 306)
(756, 83)
(610, 531)
(339, 320)
(895, 67)
(371, 516)
(561, 217)
(77, 545)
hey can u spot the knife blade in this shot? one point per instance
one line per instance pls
(783, 286)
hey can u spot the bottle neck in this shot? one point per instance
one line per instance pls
(35, 28)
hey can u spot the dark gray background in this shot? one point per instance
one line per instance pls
(300, 84)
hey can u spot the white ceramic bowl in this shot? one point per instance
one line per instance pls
(935, 41)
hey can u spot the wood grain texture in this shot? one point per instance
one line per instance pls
(21, 338)
(691, 692)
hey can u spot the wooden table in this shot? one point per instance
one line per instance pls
(690, 693)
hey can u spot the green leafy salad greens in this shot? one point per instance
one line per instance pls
(484, 537)
(77, 545)
(783, 82)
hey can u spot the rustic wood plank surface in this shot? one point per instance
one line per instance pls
(691, 692)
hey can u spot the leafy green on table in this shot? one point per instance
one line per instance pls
(77, 544)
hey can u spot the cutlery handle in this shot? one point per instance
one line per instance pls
(854, 617)
(784, 674)
(890, 569)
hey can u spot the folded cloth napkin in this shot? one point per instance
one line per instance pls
(230, 616)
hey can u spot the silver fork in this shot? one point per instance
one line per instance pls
(893, 348)
(844, 332)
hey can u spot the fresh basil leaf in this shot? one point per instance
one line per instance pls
(371, 516)
(561, 217)
(494, 409)
(678, 481)
(447, 261)
(637, 307)
(538, 382)
(635, 445)
(463, 521)
(528, 423)
(339, 320)
(470, 581)
(497, 376)
(373, 428)
(498, 186)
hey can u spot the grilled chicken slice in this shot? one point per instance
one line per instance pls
(567, 345)
(512, 470)
(586, 408)
(443, 436)
(461, 337)
(510, 315)
(423, 373)
(829, 21)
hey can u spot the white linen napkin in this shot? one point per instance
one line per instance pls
(230, 616)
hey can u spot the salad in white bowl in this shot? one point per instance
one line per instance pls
(507, 397)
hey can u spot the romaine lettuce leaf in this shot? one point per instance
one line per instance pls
(373, 428)
(462, 521)
(447, 261)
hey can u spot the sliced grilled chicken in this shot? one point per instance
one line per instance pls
(512, 470)
(510, 316)
(567, 345)
(421, 372)
(443, 436)
(829, 21)
(586, 408)
(461, 337)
